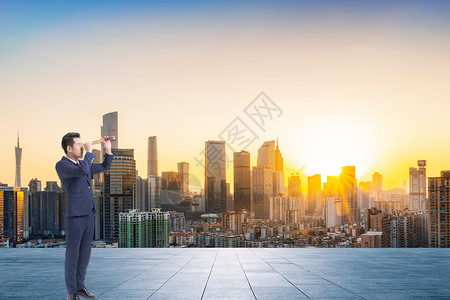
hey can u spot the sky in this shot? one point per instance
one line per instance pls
(363, 84)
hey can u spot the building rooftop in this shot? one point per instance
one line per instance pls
(236, 273)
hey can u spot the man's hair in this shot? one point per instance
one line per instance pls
(67, 140)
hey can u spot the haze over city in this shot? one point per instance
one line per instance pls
(361, 85)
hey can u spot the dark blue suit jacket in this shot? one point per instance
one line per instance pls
(76, 181)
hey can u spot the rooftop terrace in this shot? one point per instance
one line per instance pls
(241, 273)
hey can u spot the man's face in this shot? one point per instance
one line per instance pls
(76, 151)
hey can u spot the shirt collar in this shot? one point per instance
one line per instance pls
(75, 162)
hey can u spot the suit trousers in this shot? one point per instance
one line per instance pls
(79, 236)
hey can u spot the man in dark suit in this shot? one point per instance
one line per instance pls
(75, 174)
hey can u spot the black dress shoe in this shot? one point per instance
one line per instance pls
(73, 297)
(85, 293)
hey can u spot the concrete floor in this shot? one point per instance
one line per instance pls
(239, 273)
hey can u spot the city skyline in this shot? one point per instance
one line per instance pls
(359, 85)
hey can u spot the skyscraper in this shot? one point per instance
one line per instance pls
(294, 186)
(154, 190)
(269, 156)
(315, 193)
(119, 191)
(152, 157)
(418, 186)
(17, 182)
(377, 180)
(279, 160)
(48, 212)
(183, 170)
(12, 213)
(242, 181)
(266, 155)
(111, 128)
(262, 187)
(170, 190)
(34, 186)
(348, 192)
(142, 202)
(439, 210)
(215, 177)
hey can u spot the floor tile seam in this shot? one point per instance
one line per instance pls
(139, 274)
(209, 275)
(193, 257)
(281, 274)
(311, 273)
(245, 274)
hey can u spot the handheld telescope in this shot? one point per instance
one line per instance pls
(106, 138)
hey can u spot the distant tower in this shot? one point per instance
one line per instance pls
(152, 157)
(348, 192)
(17, 182)
(215, 177)
(242, 181)
(418, 186)
(278, 174)
(183, 170)
(279, 161)
(111, 128)
(377, 180)
(119, 190)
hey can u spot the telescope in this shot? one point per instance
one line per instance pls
(106, 138)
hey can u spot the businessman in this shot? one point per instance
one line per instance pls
(75, 174)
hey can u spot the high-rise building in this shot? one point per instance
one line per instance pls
(409, 229)
(119, 191)
(215, 177)
(269, 156)
(279, 160)
(18, 182)
(366, 198)
(294, 186)
(331, 187)
(12, 213)
(333, 210)
(111, 128)
(418, 186)
(154, 184)
(48, 212)
(262, 189)
(170, 194)
(183, 170)
(266, 155)
(439, 210)
(152, 157)
(377, 185)
(315, 193)
(278, 176)
(97, 186)
(33, 186)
(144, 229)
(142, 203)
(348, 192)
(242, 181)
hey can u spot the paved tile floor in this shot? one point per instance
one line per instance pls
(240, 273)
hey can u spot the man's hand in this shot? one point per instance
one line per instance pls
(107, 146)
(88, 146)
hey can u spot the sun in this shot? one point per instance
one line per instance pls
(328, 146)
